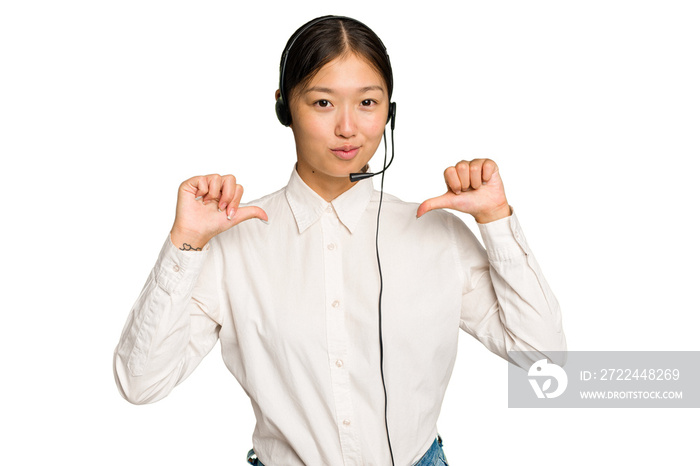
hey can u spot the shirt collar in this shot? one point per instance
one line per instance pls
(307, 206)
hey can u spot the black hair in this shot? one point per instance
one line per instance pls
(325, 41)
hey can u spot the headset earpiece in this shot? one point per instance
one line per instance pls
(282, 111)
(392, 115)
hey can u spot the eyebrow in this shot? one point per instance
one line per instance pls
(330, 91)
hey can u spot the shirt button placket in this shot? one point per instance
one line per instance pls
(337, 336)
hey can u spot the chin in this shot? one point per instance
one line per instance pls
(344, 168)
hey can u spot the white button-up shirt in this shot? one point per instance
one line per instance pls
(295, 305)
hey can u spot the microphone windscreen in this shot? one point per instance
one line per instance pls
(360, 176)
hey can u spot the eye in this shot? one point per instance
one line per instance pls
(368, 103)
(323, 103)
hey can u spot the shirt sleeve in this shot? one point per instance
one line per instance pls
(174, 323)
(506, 301)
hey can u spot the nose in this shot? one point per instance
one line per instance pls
(346, 126)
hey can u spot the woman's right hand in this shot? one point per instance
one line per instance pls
(207, 206)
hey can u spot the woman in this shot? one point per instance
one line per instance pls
(294, 297)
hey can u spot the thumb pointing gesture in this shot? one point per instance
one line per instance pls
(246, 213)
(209, 205)
(473, 187)
(446, 201)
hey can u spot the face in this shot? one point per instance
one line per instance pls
(338, 120)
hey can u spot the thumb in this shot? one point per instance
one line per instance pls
(248, 212)
(440, 202)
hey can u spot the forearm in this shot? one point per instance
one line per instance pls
(154, 353)
(497, 213)
(527, 303)
(186, 240)
(517, 309)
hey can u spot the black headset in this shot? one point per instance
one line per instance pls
(285, 117)
(282, 107)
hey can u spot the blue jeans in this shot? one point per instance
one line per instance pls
(433, 457)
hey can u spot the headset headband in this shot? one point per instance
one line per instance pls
(281, 106)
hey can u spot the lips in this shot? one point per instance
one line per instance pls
(345, 152)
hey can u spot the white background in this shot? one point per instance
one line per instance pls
(591, 109)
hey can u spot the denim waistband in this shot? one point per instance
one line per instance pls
(433, 457)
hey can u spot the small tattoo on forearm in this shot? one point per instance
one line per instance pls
(187, 247)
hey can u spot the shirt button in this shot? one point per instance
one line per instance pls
(329, 209)
(331, 246)
(346, 422)
(335, 304)
(176, 268)
(339, 363)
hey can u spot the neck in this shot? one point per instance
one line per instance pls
(328, 187)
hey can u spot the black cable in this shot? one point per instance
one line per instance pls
(381, 289)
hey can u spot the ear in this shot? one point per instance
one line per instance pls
(277, 94)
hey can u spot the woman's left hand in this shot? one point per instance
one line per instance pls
(475, 188)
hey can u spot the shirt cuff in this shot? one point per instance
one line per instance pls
(176, 267)
(504, 238)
